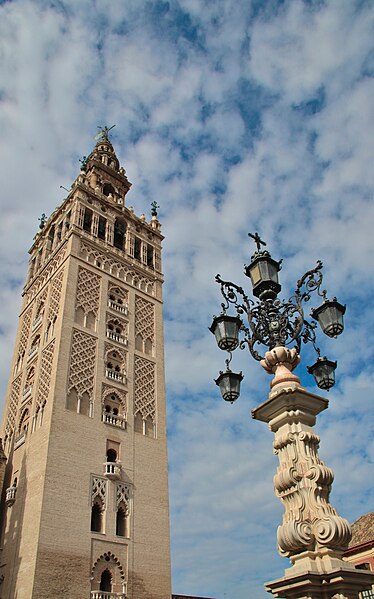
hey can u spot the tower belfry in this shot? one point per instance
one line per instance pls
(85, 495)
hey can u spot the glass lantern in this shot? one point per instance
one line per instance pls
(229, 384)
(226, 330)
(323, 371)
(263, 272)
(330, 317)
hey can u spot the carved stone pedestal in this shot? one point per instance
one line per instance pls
(312, 533)
(322, 578)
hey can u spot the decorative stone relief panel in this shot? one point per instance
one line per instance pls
(48, 272)
(45, 374)
(144, 388)
(144, 325)
(123, 495)
(88, 291)
(117, 269)
(13, 405)
(25, 331)
(98, 489)
(54, 302)
(82, 363)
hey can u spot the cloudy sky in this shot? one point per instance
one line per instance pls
(235, 116)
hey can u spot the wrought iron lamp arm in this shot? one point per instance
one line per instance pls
(312, 281)
(230, 292)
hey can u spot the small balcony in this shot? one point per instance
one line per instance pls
(122, 308)
(26, 393)
(32, 352)
(20, 440)
(114, 419)
(114, 375)
(116, 337)
(37, 322)
(112, 470)
(106, 595)
(10, 496)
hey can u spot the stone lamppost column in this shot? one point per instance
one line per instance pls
(312, 533)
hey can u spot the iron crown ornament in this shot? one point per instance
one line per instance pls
(273, 322)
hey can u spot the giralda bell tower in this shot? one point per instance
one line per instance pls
(85, 497)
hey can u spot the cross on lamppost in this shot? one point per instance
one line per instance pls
(257, 239)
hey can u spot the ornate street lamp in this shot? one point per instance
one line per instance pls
(312, 534)
(277, 323)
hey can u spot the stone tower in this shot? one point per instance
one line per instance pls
(85, 501)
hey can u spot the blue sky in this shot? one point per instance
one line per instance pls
(234, 116)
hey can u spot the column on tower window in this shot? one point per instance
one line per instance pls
(109, 232)
(95, 224)
(144, 252)
(79, 216)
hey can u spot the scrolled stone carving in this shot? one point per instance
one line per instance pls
(293, 536)
(303, 485)
(333, 531)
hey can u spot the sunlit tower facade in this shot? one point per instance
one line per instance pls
(85, 496)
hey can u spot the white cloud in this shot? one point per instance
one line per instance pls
(292, 161)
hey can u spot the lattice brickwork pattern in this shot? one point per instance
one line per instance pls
(144, 319)
(47, 273)
(88, 291)
(98, 489)
(54, 302)
(145, 388)
(45, 374)
(82, 363)
(123, 495)
(117, 269)
(13, 405)
(25, 331)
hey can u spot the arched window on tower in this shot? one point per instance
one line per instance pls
(107, 189)
(101, 229)
(119, 235)
(114, 367)
(122, 521)
(111, 455)
(117, 300)
(137, 248)
(106, 581)
(97, 516)
(87, 220)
